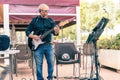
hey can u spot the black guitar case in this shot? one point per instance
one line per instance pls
(4, 42)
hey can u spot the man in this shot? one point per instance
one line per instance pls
(40, 25)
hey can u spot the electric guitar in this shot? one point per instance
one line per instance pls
(33, 44)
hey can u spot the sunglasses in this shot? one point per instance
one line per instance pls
(44, 11)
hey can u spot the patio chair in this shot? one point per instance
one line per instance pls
(66, 53)
(24, 55)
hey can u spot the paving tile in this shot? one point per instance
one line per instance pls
(25, 73)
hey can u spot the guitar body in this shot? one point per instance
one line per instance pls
(33, 44)
(37, 43)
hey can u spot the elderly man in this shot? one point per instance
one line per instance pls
(35, 31)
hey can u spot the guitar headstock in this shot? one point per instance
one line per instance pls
(62, 23)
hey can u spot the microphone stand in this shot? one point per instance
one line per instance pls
(94, 41)
(93, 37)
(96, 61)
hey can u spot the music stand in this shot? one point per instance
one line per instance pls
(93, 37)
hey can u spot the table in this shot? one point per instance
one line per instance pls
(10, 57)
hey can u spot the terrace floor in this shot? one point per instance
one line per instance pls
(25, 73)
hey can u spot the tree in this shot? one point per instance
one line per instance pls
(91, 13)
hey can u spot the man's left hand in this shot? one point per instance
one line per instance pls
(56, 29)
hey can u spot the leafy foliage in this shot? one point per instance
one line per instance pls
(107, 43)
(90, 14)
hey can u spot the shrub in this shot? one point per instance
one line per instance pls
(116, 43)
(109, 43)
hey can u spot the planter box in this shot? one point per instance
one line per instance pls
(109, 58)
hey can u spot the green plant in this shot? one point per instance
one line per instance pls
(116, 43)
(104, 43)
(109, 43)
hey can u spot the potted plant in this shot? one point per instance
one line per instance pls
(109, 52)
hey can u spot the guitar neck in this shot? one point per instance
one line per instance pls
(45, 34)
(61, 24)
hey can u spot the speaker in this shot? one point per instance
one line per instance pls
(4, 42)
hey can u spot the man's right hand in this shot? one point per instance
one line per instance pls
(35, 37)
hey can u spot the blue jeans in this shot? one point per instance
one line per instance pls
(47, 51)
